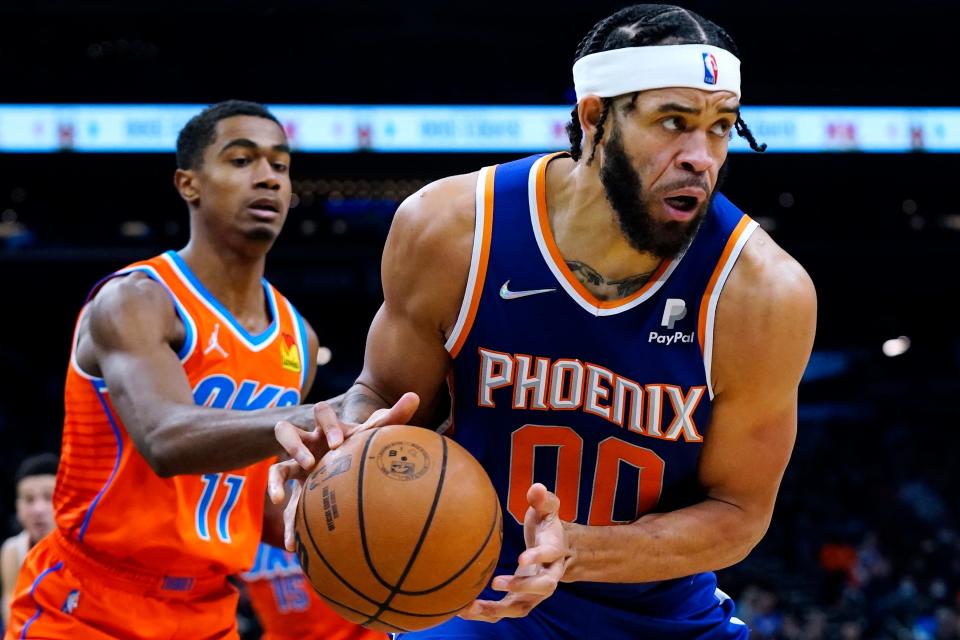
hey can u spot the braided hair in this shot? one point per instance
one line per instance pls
(645, 25)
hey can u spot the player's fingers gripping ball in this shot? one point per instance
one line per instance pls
(399, 528)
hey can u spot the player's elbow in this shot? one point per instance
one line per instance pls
(163, 469)
(742, 530)
(162, 452)
(160, 460)
(751, 532)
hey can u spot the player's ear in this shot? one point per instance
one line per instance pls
(589, 110)
(185, 181)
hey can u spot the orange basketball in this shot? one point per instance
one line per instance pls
(398, 529)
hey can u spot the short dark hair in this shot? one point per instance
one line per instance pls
(200, 131)
(645, 25)
(42, 464)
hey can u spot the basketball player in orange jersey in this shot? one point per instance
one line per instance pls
(181, 366)
(287, 606)
(611, 325)
(34, 481)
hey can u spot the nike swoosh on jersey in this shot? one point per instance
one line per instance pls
(506, 294)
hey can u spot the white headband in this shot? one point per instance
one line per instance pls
(620, 71)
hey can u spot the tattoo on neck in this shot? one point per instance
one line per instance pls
(603, 288)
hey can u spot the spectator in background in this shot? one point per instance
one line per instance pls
(35, 479)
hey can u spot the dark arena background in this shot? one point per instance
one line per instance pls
(865, 541)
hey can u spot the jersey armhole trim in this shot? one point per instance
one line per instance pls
(708, 304)
(304, 345)
(100, 389)
(482, 231)
(190, 327)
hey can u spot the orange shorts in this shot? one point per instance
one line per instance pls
(63, 595)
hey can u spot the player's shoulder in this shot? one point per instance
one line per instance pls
(129, 302)
(427, 255)
(10, 549)
(767, 279)
(765, 323)
(130, 290)
(441, 212)
(7, 547)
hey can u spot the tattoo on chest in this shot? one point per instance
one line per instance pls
(605, 289)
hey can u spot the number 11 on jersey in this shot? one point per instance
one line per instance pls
(211, 481)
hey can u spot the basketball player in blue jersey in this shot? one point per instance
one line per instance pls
(611, 327)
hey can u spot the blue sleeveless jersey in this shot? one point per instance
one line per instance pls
(606, 403)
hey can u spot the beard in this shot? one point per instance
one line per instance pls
(624, 191)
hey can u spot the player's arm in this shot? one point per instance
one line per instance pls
(128, 332)
(424, 274)
(272, 532)
(766, 320)
(9, 570)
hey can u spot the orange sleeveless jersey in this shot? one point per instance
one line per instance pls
(288, 608)
(107, 497)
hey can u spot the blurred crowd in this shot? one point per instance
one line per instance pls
(865, 543)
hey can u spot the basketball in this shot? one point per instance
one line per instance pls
(398, 529)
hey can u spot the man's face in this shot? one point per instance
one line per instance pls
(35, 505)
(244, 182)
(661, 162)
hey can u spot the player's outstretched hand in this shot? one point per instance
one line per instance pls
(305, 448)
(540, 568)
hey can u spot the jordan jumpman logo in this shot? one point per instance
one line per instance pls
(213, 344)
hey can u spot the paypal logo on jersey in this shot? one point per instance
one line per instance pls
(674, 310)
(711, 71)
(220, 391)
(677, 337)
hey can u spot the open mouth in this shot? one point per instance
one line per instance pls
(682, 203)
(265, 206)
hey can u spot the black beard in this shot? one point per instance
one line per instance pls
(624, 192)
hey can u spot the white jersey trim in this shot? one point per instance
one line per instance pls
(74, 364)
(715, 298)
(302, 345)
(478, 239)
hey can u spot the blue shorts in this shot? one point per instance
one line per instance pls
(690, 608)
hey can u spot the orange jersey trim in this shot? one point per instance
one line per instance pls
(561, 264)
(481, 274)
(712, 284)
